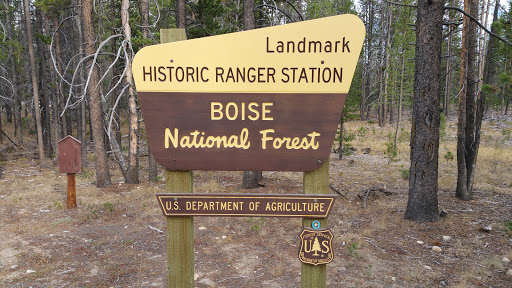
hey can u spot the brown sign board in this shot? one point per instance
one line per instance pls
(264, 99)
(246, 205)
(316, 246)
(242, 131)
(70, 157)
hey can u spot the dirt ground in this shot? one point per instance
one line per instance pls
(116, 235)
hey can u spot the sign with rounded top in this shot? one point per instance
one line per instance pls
(70, 157)
(264, 99)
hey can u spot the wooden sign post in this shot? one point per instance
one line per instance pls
(315, 182)
(266, 99)
(180, 230)
(70, 162)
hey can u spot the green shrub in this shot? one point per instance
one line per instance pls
(391, 149)
(108, 206)
(352, 248)
(404, 136)
(362, 131)
(448, 156)
(506, 133)
(508, 228)
(404, 173)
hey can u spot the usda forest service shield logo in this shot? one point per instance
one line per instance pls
(316, 246)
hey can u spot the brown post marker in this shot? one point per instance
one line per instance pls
(71, 203)
(180, 230)
(315, 182)
(70, 162)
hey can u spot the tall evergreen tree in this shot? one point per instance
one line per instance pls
(35, 88)
(422, 204)
(100, 153)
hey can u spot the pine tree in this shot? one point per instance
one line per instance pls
(316, 247)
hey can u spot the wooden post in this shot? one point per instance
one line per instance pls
(71, 191)
(315, 182)
(180, 235)
(180, 230)
(70, 162)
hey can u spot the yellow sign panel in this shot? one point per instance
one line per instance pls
(316, 56)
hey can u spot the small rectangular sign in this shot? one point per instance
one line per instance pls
(246, 205)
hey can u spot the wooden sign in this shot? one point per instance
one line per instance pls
(70, 157)
(316, 246)
(246, 205)
(70, 162)
(264, 99)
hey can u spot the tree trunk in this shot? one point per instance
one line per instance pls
(181, 14)
(144, 12)
(466, 131)
(55, 109)
(380, 110)
(386, 69)
(461, 190)
(83, 116)
(422, 203)
(250, 178)
(100, 153)
(34, 81)
(342, 123)
(1, 128)
(116, 111)
(61, 97)
(482, 44)
(44, 78)
(448, 79)
(16, 97)
(362, 104)
(144, 18)
(8, 111)
(481, 101)
(507, 102)
(249, 14)
(369, 40)
(401, 88)
(471, 97)
(133, 168)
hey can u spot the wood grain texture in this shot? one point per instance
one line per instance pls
(246, 205)
(71, 191)
(70, 155)
(180, 230)
(293, 115)
(315, 182)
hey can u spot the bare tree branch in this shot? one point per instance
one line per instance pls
(54, 61)
(109, 129)
(294, 8)
(96, 57)
(477, 23)
(200, 26)
(3, 31)
(12, 87)
(156, 21)
(276, 8)
(400, 4)
(463, 12)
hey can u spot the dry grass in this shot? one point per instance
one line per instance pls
(107, 240)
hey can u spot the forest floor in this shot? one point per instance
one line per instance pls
(116, 235)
